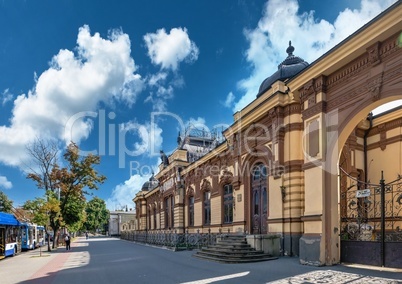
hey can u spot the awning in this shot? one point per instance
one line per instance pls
(8, 219)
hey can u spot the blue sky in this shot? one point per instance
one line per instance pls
(122, 78)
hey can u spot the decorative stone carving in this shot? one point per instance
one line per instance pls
(226, 177)
(321, 84)
(307, 90)
(311, 100)
(374, 87)
(383, 136)
(190, 191)
(293, 109)
(312, 88)
(374, 54)
(206, 185)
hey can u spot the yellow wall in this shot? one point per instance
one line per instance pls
(216, 210)
(313, 191)
(389, 161)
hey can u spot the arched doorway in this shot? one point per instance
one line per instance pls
(370, 197)
(259, 199)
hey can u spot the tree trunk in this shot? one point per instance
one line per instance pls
(47, 240)
(55, 237)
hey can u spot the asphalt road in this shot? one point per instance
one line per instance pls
(110, 260)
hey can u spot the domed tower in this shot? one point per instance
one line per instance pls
(291, 66)
(150, 184)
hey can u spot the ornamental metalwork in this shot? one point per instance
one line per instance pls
(172, 239)
(371, 222)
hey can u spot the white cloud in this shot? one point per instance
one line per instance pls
(4, 183)
(310, 37)
(124, 193)
(168, 50)
(101, 70)
(149, 141)
(156, 79)
(6, 96)
(229, 100)
(162, 89)
(198, 123)
(148, 136)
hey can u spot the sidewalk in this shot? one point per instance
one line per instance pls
(37, 264)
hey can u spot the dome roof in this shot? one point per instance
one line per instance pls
(287, 69)
(145, 186)
(149, 185)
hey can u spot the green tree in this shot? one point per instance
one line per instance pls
(5, 204)
(73, 181)
(65, 187)
(74, 213)
(97, 215)
(39, 209)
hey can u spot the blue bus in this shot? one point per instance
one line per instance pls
(32, 236)
(40, 236)
(9, 235)
(28, 236)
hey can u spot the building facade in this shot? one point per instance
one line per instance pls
(121, 221)
(306, 160)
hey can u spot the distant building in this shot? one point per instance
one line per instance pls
(121, 221)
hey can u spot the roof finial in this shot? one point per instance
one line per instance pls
(290, 49)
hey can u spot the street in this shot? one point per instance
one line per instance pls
(110, 260)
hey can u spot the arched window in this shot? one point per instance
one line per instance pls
(207, 208)
(227, 203)
(154, 217)
(167, 210)
(149, 217)
(191, 211)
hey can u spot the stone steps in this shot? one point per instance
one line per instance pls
(232, 249)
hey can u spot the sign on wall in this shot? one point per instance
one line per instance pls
(363, 193)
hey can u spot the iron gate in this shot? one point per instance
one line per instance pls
(371, 222)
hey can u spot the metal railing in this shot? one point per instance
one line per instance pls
(172, 239)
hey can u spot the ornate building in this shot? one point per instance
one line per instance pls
(305, 161)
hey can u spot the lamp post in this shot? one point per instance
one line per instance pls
(58, 198)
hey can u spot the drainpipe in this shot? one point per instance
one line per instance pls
(283, 188)
(370, 118)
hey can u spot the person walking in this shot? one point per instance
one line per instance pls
(86, 235)
(68, 241)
